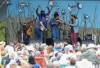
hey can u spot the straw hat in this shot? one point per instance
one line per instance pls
(85, 64)
(30, 48)
(98, 46)
(68, 47)
(43, 46)
(64, 62)
(72, 56)
(57, 45)
(91, 45)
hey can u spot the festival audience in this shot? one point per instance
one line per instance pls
(44, 56)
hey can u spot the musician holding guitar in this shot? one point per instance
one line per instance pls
(43, 23)
(29, 28)
(27, 32)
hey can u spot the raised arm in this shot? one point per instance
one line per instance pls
(37, 12)
(48, 11)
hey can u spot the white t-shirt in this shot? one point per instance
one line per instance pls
(9, 49)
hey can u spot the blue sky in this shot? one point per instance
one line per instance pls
(88, 8)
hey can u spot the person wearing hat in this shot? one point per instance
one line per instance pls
(43, 24)
(84, 63)
(54, 24)
(89, 54)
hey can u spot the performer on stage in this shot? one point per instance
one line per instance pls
(43, 25)
(74, 29)
(25, 33)
(29, 31)
(25, 37)
(55, 24)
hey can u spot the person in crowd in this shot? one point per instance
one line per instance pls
(29, 31)
(32, 62)
(79, 40)
(55, 24)
(98, 55)
(54, 59)
(11, 64)
(50, 42)
(49, 65)
(18, 47)
(72, 63)
(43, 24)
(89, 53)
(56, 64)
(0, 66)
(84, 63)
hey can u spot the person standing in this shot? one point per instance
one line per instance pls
(25, 37)
(55, 24)
(73, 29)
(43, 25)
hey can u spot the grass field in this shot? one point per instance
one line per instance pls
(2, 31)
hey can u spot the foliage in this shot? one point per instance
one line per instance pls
(2, 31)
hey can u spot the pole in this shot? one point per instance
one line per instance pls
(85, 27)
(95, 33)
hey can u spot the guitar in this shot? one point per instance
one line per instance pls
(29, 31)
(42, 27)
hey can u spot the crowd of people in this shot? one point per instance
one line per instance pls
(42, 55)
